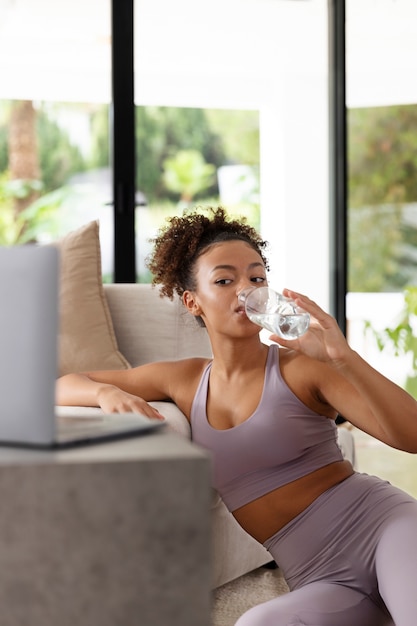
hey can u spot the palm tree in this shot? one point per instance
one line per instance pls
(188, 174)
(24, 153)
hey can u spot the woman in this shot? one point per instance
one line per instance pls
(346, 542)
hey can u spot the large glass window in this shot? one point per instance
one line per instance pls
(189, 157)
(244, 84)
(54, 120)
(239, 92)
(382, 117)
(381, 55)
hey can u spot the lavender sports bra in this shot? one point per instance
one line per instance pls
(281, 441)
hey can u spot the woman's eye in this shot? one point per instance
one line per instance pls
(223, 281)
(258, 279)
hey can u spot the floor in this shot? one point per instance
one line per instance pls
(374, 457)
(232, 600)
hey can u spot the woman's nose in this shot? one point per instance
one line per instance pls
(245, 285)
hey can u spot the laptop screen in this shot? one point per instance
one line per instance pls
(28, 342)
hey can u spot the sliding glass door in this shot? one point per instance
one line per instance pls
(238, 90)
(230, 106)
(381, 55)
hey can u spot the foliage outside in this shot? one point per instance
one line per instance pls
(374, 242)
(179, 150)
(178, 154)
(187, 174)
(401, 338)
(382, 219)
(382, 158)
(41, 218)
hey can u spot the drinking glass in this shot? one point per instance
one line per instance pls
(275, 312)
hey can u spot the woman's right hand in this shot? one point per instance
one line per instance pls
(323, 340)
(113, 400)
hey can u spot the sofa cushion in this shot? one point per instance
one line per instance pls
(150, 328)
(86, 337)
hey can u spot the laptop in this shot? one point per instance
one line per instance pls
(29, 364)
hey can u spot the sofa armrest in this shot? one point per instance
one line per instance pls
(175, 419)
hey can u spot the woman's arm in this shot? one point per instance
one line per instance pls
(83, 390)
(382, 407)
(121, 391)
(362, 395)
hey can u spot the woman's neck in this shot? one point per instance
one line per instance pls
(233, 357)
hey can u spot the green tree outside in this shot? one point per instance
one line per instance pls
(382, 158)
(163, 133)
(187, 174)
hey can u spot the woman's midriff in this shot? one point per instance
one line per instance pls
(266, 515)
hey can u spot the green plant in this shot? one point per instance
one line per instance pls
(44, 216)
(188, 174)
(39, 218)
(402, 337)
(11, 224)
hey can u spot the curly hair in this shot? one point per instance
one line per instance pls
(179, 244)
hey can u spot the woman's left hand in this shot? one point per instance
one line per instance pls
(323, 340)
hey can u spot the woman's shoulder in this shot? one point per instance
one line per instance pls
(174, 369)
(304, 376)
(193, 363)
(185, 371)
(302, 370)
(184, 377)
(289, 356)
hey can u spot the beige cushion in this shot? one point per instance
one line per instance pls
(150, 328)
(86, 338)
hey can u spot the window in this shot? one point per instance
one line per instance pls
(382, 117)
(382, 108)
(260, 63)
(269, 59)
(55, 94)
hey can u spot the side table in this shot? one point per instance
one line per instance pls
(112, 534)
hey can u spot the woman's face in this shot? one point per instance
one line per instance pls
(222, 272)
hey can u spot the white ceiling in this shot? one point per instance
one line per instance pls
(221, 53)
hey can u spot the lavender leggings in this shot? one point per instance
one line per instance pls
(350, 559)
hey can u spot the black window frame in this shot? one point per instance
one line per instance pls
(124, 157)
(123, 140)
(338, 160)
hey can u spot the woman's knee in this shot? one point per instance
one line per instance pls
(327, 604)
(268, 614)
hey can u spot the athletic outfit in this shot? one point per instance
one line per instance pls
(349, 555)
